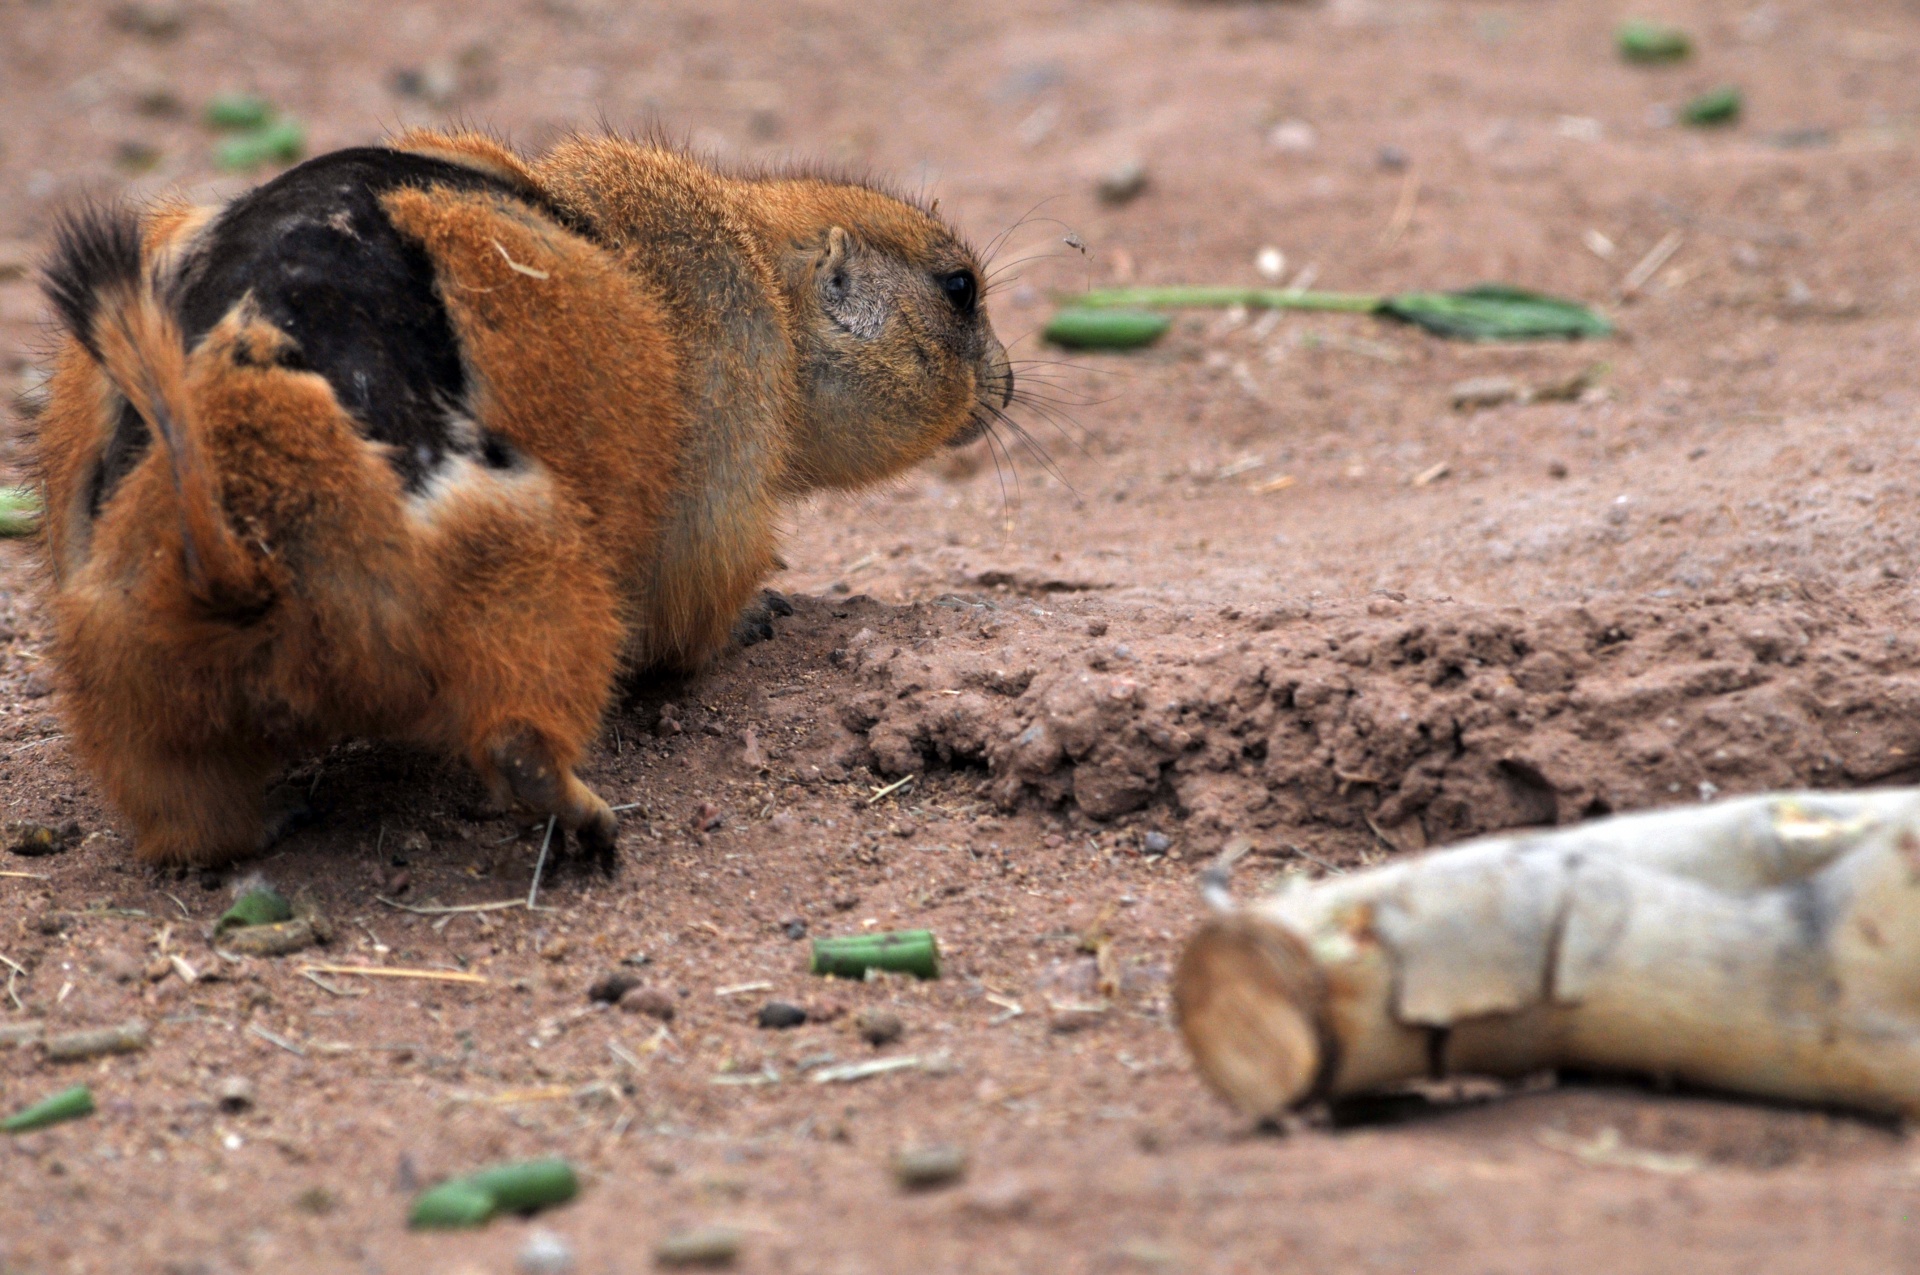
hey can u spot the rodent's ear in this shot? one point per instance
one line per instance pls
(852, 299)
(835, 267)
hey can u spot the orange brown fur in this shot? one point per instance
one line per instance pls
(644, 331)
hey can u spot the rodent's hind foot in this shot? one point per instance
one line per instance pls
(755, 624)
(523, 764)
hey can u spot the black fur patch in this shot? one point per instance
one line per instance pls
(96, 248)
(324, 265)
(128, 444)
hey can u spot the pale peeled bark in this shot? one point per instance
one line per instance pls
(1769, 945)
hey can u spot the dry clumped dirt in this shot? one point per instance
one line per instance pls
(1268, 584)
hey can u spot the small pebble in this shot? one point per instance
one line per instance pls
(1005, 1199)
(924, 1168)
(121, 967)
(699, 1246)
(1294, 137)
(879, 1026)
(1123, 183)
(779, 1015)
(1156, 843)
(545, 1253)
(795, 929)
(234, 1094)
(649, 1000)
(609, 988)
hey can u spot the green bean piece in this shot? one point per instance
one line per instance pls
(902, 951)
(68, 1104)
(1106, 329)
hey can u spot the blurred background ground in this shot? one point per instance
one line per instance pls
(1745, 444)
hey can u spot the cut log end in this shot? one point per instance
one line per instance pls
(1252, 1005)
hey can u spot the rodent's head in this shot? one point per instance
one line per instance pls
(896, 354)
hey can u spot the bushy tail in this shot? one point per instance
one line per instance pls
(110, 302)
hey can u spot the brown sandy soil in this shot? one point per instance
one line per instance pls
(1694, 579)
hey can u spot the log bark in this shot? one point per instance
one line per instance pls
(1769, 945)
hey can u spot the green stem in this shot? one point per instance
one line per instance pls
(905, 951)
(1221, 298)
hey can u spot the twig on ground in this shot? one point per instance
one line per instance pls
(388, 971)
(436, 909)
(533, 891)
(275, 1038)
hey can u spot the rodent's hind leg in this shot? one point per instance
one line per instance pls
(520, 765)
(199, 809)
(755, 624)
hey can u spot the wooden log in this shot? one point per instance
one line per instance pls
(1768, 945)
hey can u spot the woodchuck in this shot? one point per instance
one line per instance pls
(429, 442)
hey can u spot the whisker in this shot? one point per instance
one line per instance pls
(1038, 452)
(1054, 417)
(999, 241)
(996, 447)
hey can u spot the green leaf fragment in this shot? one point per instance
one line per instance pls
(255, 907)
(914, 952)
(69, 1104)
(1652, 42)
(1719, 106)
(19, 511)
(505, 1188)
(1106, 329)
(280, 142)
(1495, 312)
(237, 111)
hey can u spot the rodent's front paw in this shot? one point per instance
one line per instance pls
(756, 622)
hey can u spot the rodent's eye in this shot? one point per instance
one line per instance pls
(961, 289)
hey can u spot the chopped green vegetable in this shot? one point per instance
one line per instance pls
(1720, 106)
(280, 142)
(511, 1188)
(451, 1205)
(902, 951)
(1652, 42)
(1106, 329)
(1490, 312)
(238, 111)
(531, 1184)
(69, 1104)
(19, 511)
(262, 906)
(1495, 312)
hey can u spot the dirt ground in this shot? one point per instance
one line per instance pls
(1693, 578)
